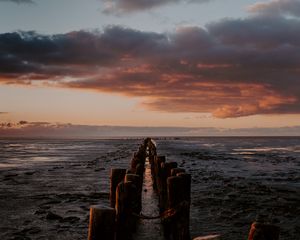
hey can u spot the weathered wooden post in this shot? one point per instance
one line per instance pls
(102, 223)
(141, 154)
(187, 182)
(137, 198)
(179, 190)
(174, 171)
(151, 146)
(152, 167)
(136, 179)
(151, 159)
(263, 231)
(187, 178)
(140, 169)
(162, 190)
(134, 162)
(169, 166)
(125, 195)
(116, 176)
(157, 169)
(165, 172)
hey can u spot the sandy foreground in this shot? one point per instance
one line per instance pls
(46, 188)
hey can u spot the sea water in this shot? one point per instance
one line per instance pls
(234, 180)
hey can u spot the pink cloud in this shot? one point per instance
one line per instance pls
(231, 68)
(276, 7)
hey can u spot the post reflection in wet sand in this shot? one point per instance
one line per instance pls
(149, 229)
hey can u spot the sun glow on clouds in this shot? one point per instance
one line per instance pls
(276, 7)
(228, 69)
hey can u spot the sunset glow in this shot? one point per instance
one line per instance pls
(238, 70)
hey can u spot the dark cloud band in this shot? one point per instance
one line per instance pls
(129, 6)
(19, 1)
(231, 68)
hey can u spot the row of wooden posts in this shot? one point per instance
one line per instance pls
(173, 186)
(118, 221)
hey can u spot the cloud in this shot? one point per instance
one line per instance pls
(129, 6)
(3, 112)
(277, 7)
(230, 68)
(19, 1)
(57, 130)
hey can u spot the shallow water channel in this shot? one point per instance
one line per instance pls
(149, 229)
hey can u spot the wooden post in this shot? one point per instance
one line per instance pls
(162, 189)
(157, 167)
(137, 181)
(151, 146)
(116, 176)
(179, 199)
(151, 149)
(140, 169)
(165, 172)
(169, 166)
(102, 223)
(134, 162)
(125, 195)
(179, 189)
(141, 154)
(262, 231)
(187, 179)
(185, 220)
(151, 161)
(174, 171)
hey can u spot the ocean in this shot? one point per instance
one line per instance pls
(235, 180)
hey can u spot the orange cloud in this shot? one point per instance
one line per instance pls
(231, 68)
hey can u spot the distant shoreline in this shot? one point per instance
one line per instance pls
(133, 137)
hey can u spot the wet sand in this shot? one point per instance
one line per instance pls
(230, 189)
(149, 229)
(49, 197)
(46, 188)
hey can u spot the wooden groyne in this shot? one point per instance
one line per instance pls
(172, 186)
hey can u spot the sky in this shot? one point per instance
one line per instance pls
(200, 64)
